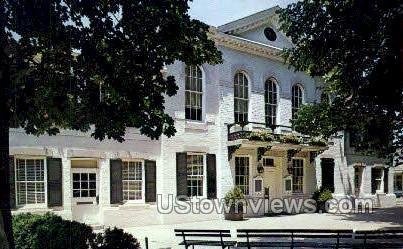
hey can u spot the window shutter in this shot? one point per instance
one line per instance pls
(54, 178)
(211, 176)
(151, 181)
(116, 181)
(181, 174)
(386, 180)
(12, 182)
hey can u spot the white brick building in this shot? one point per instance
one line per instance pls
(115, 183)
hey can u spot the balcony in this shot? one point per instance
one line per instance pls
(253, 134)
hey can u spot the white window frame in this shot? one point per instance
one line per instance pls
(45, 179)
(77, 200)
(304, 165)
(204, 190)
(249, 85)
(294, 110)
(271, 80)
(143, 185)
(249, 174)
(202, 93)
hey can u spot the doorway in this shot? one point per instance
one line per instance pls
(85, 191)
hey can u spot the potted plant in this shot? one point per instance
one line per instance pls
(235, 200)
(321, 196)
(290, 139)
(261, 135)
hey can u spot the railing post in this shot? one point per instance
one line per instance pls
(146, 239)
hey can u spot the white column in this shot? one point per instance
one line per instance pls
(391, 180)
(318, 171)
(104, 182)
(67, 186)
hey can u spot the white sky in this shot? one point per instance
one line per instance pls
(218, 12)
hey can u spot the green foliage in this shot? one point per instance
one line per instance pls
(33, 231)
(50, 231)
(321, 196)
(290, 139)
(353, 47)
(318, 142)
(115, 239)
(261, 135)
(234, 196)
(74, 64)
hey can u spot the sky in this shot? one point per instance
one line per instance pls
(218, 12)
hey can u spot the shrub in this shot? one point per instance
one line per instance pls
(321, 196)
(51, 232)
(234, 196)
(33, 231)
(115, 239)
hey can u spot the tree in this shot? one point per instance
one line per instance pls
(353, 45)
(82, 65)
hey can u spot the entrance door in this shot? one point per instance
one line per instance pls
(85, 195)
(242, 173)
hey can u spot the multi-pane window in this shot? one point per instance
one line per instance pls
(195, 174)
(296, 99)
(268, 162)
(240, 98)
(84, 185)
(30, 181)
(193, 93)
(132, 178)
(270, 99)
(242, 174)
(297, 175)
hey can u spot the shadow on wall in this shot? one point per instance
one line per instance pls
(394, 216)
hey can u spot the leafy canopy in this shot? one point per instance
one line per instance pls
(353, 46)
(77, 63)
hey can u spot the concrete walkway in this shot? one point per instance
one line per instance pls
(162, 236)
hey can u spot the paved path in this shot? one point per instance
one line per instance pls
(162, 236)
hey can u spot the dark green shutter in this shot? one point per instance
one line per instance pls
(386, 180)
(151, 181)
(211, 177)
(55, 182)
(116, 181)
(12, 182)
(181, 175)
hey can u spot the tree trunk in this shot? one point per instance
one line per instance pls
(5, 84)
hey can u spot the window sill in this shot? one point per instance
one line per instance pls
(195, 125)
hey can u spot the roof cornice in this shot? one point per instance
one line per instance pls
(249, 22)
(246, 46)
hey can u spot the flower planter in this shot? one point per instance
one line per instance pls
(233, 215)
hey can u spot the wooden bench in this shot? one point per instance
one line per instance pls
(387, 238)
(295, 238)
(205, 238)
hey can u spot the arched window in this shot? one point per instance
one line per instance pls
(296, 99)
(240, 98)
(270, 100)
(193, 93)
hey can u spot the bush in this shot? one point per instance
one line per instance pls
(51, 232)
(33, 231)
(234, 196)
(115, 239)
(321, 196)
(318, 142)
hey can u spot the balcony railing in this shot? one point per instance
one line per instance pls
(255, 131)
